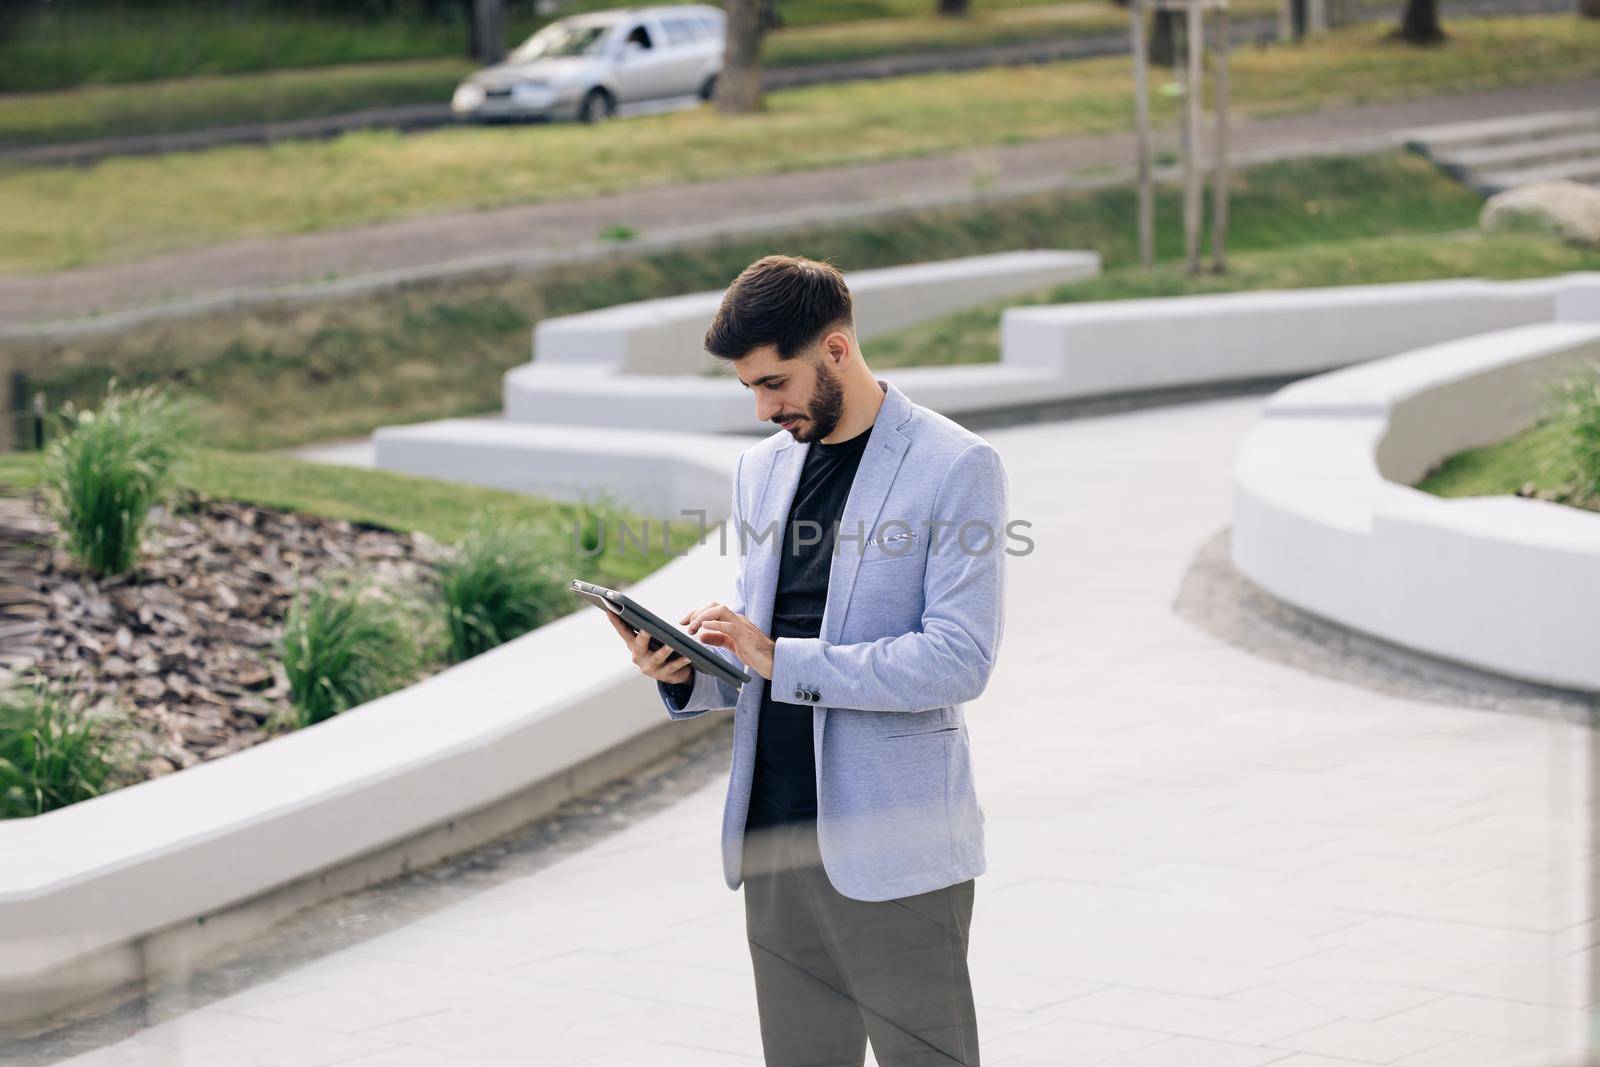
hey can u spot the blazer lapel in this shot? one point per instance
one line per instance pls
(864, 504)
(766, 522)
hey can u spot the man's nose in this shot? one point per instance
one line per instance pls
(766, 407)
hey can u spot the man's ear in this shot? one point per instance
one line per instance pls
(837, 346)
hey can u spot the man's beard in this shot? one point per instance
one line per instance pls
(826, 406)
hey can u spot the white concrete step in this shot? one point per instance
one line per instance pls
(1435, 140)
(1577, 170)
(1513, 154)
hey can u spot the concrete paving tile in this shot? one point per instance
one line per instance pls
(459, 1032)
(1069, 1043)
(1502, 1020)
(1365, 1041)
(1195, 1052)
(640, 978)
(264, 1041)
(1487, 1052)
(1175, 1013)
(1348, 997)
(343, 1010)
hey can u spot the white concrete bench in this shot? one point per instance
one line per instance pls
(666, 336)
(1119, 346)
(1326, 519)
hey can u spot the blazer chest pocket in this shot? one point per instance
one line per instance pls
(892, 547)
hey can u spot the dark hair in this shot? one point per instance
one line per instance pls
(785, 301)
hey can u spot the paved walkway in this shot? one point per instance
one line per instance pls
(226, 274)
(1198, 857)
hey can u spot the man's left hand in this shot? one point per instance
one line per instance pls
(725, 628)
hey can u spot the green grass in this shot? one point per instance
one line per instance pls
(1555, 459)
(127, 208)
(220, 100)
(269, 377)
(162, 40)
(442, 510)
(1537, 459)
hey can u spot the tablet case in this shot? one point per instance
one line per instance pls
(639, 618)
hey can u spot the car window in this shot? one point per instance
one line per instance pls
(681, 31)
(709, 26)
(641, 35)
(562, 39)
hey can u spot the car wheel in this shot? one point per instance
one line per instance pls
(708, 88)
(597, 106)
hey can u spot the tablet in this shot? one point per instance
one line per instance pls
(699, 655)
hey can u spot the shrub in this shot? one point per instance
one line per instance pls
(501, 581)
(598, 521)
(105, 469)
(1574, 406)
(53, 750)
(343, 645)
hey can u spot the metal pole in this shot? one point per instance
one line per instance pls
(1193, 94)
(1219, 177)
(1141, 123)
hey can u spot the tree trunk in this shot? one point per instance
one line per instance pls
(489, 30)
(1419, 22)
(1589, 8)
(955, 8)
(739, 83)
(1164, 38)
(771, 17)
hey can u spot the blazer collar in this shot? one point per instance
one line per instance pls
(894, 413)
(862, 511)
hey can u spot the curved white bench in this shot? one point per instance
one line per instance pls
(1325, 518)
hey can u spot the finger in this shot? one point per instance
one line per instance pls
(621, 627)
(660, 654)
(716, 632)
(713, 610)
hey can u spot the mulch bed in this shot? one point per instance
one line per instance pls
(184, 648)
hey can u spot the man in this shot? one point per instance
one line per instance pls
(869, 603)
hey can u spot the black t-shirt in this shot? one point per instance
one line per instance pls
(785, 784)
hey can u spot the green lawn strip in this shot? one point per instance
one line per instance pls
(177, 105)
(89, 46)
(127, 208)
(394, 501)
(269, 377)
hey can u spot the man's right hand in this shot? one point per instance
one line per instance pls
(660, 664)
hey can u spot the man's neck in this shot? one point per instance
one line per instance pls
(861, 404)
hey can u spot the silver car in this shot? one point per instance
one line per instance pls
(587, 67)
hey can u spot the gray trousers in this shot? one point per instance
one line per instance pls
(831, 971)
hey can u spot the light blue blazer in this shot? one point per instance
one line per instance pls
(910, 631)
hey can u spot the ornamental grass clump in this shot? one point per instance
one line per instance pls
(1574, 407)
(106, 468)
(502, 580)
(54, 750)
(344, 644)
